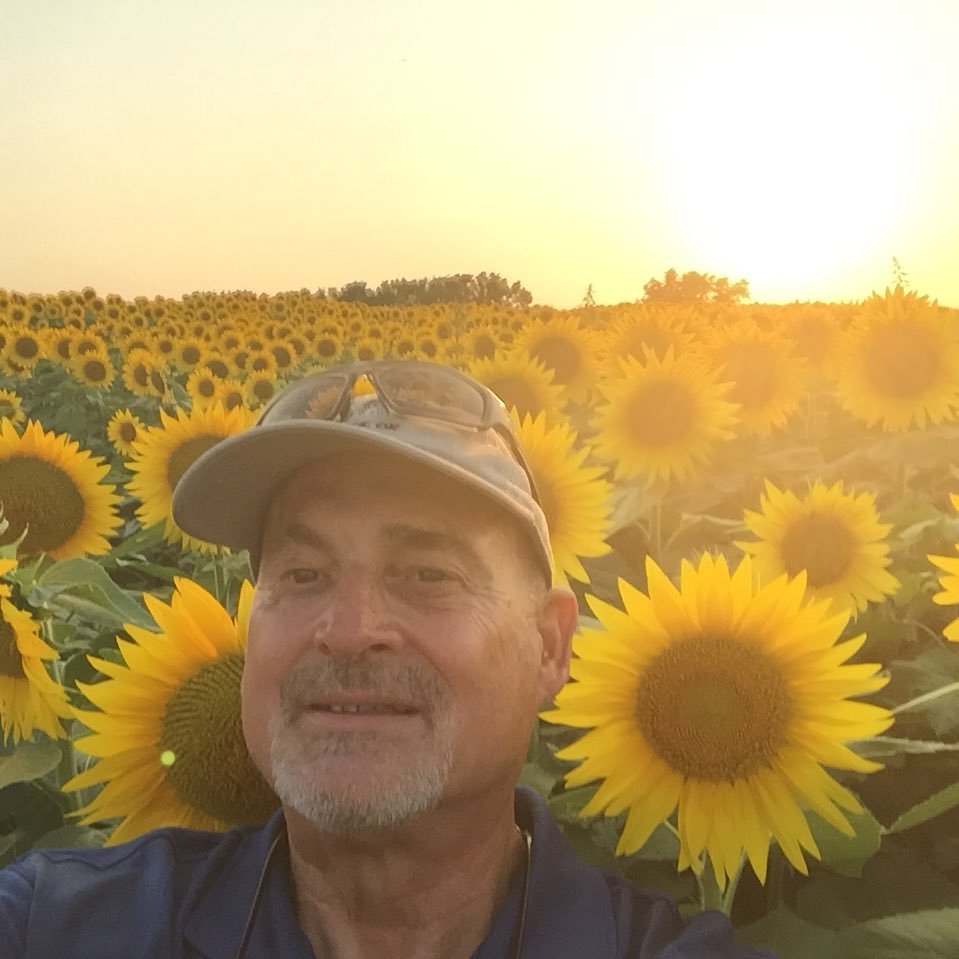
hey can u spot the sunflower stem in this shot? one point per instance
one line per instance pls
(710, 894)
(730, 894)
(926, 698)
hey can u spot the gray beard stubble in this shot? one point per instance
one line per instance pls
(411, 785)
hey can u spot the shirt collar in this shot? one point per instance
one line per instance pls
(569, 913)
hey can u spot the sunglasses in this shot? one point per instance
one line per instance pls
(406, 388)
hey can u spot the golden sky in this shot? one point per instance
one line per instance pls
(164, 147)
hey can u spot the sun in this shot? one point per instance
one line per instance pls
(795, 168)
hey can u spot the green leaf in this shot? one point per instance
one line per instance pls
(29, 761)
(790, 937)
(71, 836)
(929, 933)
(929, 808)
(87, 587)
(844, 854)
(535, 776)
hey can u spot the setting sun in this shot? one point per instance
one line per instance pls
(801, 163)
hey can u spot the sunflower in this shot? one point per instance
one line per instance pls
(899, 363)
(123, 429)
(521, 382)
(259, 389)
(30, 700)
(202, 386)
(949, 583)
(835, 536)
(724, 700)
(768, 379)
(663, 417)
(26, 348)
(567, 350)
(483, 341)
(232, 394)
(144, 373)
(166, 731)
(575, 496)
(163, 453)
(53, 490)
(11, 407)
(93, 369)
(649, 328)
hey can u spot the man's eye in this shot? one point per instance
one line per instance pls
(301, 575)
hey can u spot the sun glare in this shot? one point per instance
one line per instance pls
(791, 149)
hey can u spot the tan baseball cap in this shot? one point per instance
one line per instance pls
(425, 412)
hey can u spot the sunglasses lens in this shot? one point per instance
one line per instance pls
(436, 393)
(315, 399)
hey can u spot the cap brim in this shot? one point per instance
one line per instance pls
(224, 495)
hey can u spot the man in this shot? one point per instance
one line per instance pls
(403, 636)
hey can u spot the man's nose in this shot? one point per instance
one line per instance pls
(355, 617)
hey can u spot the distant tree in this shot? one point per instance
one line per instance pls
(695, 287)
(489, 288)
(899, 274)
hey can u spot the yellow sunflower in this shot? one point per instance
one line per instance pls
(94, 369)
(567, 350)
(575, 496)
(144, 374)
(723, 700)
(162, 454)
(11, 407)
(30, 700)
(53, 490)
(949, 583)
(123, 429)
(521, 382)
(166, 731)
(899, 363)
(835, 536)
(649, 328)
(26, 348)
(663, 417)
(768, 379)
(202, 386)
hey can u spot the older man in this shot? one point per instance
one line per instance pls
(403, 636)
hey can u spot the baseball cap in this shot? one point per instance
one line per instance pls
(425, 412)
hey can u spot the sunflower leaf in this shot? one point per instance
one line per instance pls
(847, 854)
(931, 933)
(934, 805)
(75, 582)
(790, 936)
(28, 761)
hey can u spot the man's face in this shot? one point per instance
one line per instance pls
(399, 645)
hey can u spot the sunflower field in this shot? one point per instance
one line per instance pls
(757, 506)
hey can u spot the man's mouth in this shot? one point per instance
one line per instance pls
(363, 709)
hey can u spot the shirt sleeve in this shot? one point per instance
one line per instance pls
(16, 894)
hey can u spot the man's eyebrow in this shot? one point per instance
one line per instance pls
(416, 536)
(302, 535)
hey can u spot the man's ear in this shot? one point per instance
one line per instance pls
(558, 619)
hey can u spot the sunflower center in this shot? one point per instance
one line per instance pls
(515, 391)
(128, 432)
(11, 662)
(660, 414)
(40, 495)
(205, 756)
(754, 375)
(184, 455)
(559, 355)
(819, 544)
(902, 360)
(713, 709)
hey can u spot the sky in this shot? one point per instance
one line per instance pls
(159, 148)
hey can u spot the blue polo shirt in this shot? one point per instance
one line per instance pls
(176, 893)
